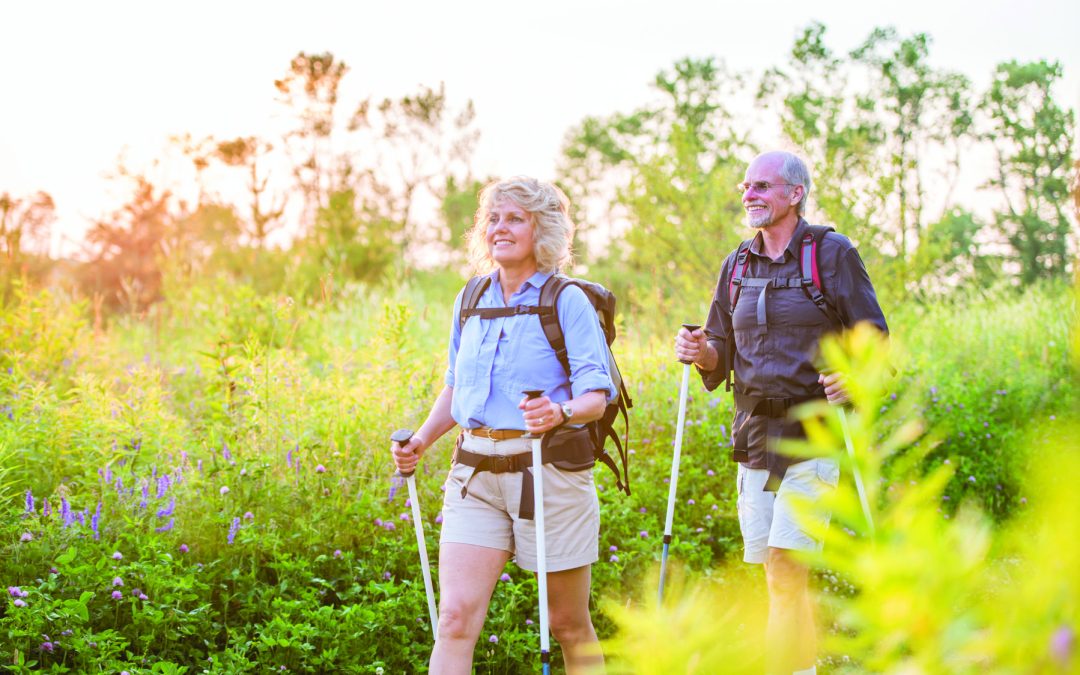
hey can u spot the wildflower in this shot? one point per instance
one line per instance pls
(493, 639)
(971, 479)
(337, 553)
(643, 510)
(378, 522)
(168, 510)
(248, 515)
(613, 559)
(46, 646)
(166, 527)
(644, 534)
(19, 603)
(1062, 643)
(135, 592)
(16, 592)
(26, 536)
(117, 581)
(243, 472)
(288, 458)
(46, 510)
(691, 502)
(439, 518)
(387, 576)
(117, 555)
(29, 502)
(504, 577)
(390, 527)
(320, 469)
(715, 507)
(528, 622)
(184, 548)
(404, 516)
(65, 512)
(199, 466)
(226, 454)
(947, 462)
(408, 503)
(142, 596)
(710, 472)
(162, 486)
(224, 490)
(117, 595)
(613, 548)
(233, 529)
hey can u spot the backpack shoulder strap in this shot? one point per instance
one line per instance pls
(809, 271)
(738, 272)
(549, 321)
(470, 297)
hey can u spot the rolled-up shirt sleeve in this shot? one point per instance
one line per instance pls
(718, 330)
(586, 348)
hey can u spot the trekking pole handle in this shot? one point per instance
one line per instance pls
(401, 437)
(690, 327)
(531, 394)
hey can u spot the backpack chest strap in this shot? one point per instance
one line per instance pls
(501, 312)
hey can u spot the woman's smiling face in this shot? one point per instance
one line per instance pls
(510, 235)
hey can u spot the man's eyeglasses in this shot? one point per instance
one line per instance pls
(760, 185)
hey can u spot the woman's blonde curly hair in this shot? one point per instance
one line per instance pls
(553, 231)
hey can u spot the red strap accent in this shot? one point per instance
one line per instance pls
(814, 266)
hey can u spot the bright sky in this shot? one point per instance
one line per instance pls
(83, 82)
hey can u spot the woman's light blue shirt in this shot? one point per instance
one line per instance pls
(493, 360)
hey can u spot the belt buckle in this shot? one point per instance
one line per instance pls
(484, 432)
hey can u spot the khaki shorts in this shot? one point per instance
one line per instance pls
(488, 515)
(769, 519)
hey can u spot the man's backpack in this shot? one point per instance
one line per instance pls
(603, 301)
(809, 280)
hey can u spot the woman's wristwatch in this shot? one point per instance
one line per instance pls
(567, 413)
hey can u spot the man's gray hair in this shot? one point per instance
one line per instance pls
(794, 172)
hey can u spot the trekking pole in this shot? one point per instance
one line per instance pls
(673, 488)
(541, 545)
(401, 437)
(855, 467)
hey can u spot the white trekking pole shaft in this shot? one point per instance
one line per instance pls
(541, 545)
(675, 459)
(859, 486)
(402, 436)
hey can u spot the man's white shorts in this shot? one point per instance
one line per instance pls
(769, 519)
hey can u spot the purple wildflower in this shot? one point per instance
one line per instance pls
(198, 466)
(184, 548)
(439, 518)
(226, 454)
(248, 515)
(26, 536)
(504, 577)
(117, 595)
(117, 555)
(337, 553)
(288, 458)
(65, 512)
(46, 646)
(163, 485)
(95, 522)
(613, 558)
(166, 527)
(643, 510)
(233, 529)
(320, 469)
(107, 475)
(404, 516)
(167, 511)
(644, 534)
(224, 490)
(19, 603)
(16, 592)
(142, 596)
(971, 479)
(691, 502)
(528, 622)
(390, 527)
(1062, 643)
(613, 548)
(394, 485)
(117, 581)
(29, 502)
(46, 510)
(82, 516)
(494, 639)
(387, 576)
(710, 472)
(378, 522)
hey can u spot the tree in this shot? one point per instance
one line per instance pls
(1032, 140)
(668, 171)
(25, 225)
(247, 153)
(310, 87)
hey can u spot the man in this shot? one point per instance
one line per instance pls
(770, 341)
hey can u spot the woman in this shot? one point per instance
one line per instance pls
(521, 235)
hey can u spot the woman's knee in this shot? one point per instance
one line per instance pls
(785, 576)
(572, 627)
(460, 621)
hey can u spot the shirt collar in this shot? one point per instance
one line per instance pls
(793, 245)
(537, 280)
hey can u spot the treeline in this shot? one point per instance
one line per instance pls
(376, 188)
